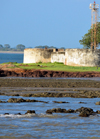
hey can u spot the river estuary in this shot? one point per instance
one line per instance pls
(42, 125)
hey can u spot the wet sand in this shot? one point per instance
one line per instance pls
(50, 88)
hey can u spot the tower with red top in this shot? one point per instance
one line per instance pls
(94, 19)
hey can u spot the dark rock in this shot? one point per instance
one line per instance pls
(43, 101)
(2, 93)
(82, 102)
(16, 100)
(60, 102)
(30, 112)
(49, 111)
(15, 95)
(6, 114)
(97, 103)
(18, 113)
(70, 111)
(85, 112)
(98, 112)
(19, 100)
(28, 100)
(59, 110)
(2, 101)
(89, 110)
(56, 110)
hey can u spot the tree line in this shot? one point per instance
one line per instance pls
(21, 47)
(6, 47)
(48, 47)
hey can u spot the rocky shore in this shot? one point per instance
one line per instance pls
(50, 88)
(83, 111)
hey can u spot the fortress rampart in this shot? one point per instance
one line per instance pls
(72, 57)
(37, 55)
(82, 57)
(58, 57)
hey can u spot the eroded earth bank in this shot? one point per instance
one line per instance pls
(17, 72)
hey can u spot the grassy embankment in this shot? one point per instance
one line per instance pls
(53, 66)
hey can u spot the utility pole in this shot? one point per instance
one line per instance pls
(94, 19)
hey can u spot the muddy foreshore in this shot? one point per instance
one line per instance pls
(50, 88)
(17, 72)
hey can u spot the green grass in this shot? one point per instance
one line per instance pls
(53, 66)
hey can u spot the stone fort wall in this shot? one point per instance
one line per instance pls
(58, 57)
(82, 57)
(37, 55)
(72, 57)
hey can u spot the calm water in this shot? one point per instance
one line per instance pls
(44, 126)
(9, 57)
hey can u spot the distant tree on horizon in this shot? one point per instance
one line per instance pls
(6, 46)
(45, 46)
(20, 47)
(42, 47)
(52, 47)
(1, 46)
(62, 48)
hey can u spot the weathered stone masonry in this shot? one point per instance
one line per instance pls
(58, 57)
(72, 57)
(37, 55)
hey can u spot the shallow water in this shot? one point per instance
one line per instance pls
(57, 78)
(11, 57)
(42, 125)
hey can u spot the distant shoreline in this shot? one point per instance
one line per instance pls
(12, 52)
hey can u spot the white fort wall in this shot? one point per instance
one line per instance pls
(58, 57)
(82, 57)
(37, 55)
(72, 57)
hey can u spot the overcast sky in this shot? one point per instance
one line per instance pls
(59, 23)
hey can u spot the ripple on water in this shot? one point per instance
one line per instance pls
(26, 136)
(48, 126)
